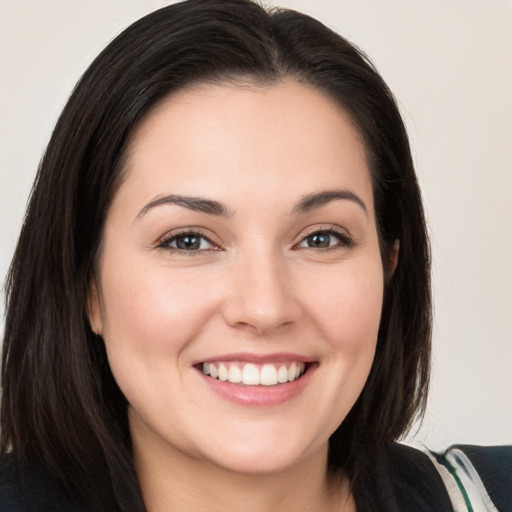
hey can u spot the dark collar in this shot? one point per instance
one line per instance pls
(401, 479)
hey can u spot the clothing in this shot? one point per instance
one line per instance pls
(31, 491)
(473, 479)
(469, 473)
(403, 480)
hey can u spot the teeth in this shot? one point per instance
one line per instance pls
(253, 375)
(292, 372)
(223, 372)
(250, 375)
(282, 374)
(235, 374)
(269, 375)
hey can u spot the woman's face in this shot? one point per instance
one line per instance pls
(241, 245)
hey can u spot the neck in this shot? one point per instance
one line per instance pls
(172, 480)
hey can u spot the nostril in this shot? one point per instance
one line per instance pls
(260, 321)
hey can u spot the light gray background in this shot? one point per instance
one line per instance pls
(449, 63)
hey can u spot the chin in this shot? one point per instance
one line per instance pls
(263, 456)
(258, 464)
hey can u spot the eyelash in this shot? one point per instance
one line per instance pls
(344, 241)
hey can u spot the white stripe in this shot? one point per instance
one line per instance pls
(456, 497)
(478, 496)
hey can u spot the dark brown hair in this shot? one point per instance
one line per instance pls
(60, 404)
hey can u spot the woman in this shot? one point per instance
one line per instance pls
(220, 295)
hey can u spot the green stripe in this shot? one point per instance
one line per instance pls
(441, 459)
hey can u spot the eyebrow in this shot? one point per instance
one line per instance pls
(196, 204)
(211, 207)
(319, 199)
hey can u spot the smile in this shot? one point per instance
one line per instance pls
(249, 374)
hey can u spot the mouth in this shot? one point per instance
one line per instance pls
(254, 374)
(257, 380)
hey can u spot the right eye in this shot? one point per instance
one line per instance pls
(325, 239)
(187, 241)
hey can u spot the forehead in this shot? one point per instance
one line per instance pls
(255, 140)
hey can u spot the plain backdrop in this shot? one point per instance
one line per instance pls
(449, 63)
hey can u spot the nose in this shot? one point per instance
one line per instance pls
(261, 295)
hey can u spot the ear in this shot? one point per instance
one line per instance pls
(94, 308)
(393, 258)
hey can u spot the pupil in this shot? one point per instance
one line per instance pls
(188, 242)
(319, 240)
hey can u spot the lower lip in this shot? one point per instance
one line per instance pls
(259, 396)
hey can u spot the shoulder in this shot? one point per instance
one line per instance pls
(480, 476)
(30, 490)
(415, 482)
(462, 478)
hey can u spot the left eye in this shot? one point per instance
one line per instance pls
(324, 240)
(187, 242)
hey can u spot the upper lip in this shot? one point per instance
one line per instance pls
(248, 357)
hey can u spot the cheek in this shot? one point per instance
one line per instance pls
(347, 307)
(347, 311)
(149, 321)
(154, 313)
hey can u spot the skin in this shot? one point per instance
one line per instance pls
(256, 286)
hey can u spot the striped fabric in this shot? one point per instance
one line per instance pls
(464, 485)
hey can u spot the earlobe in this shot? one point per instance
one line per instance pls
(393, 258)
(94, 309)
